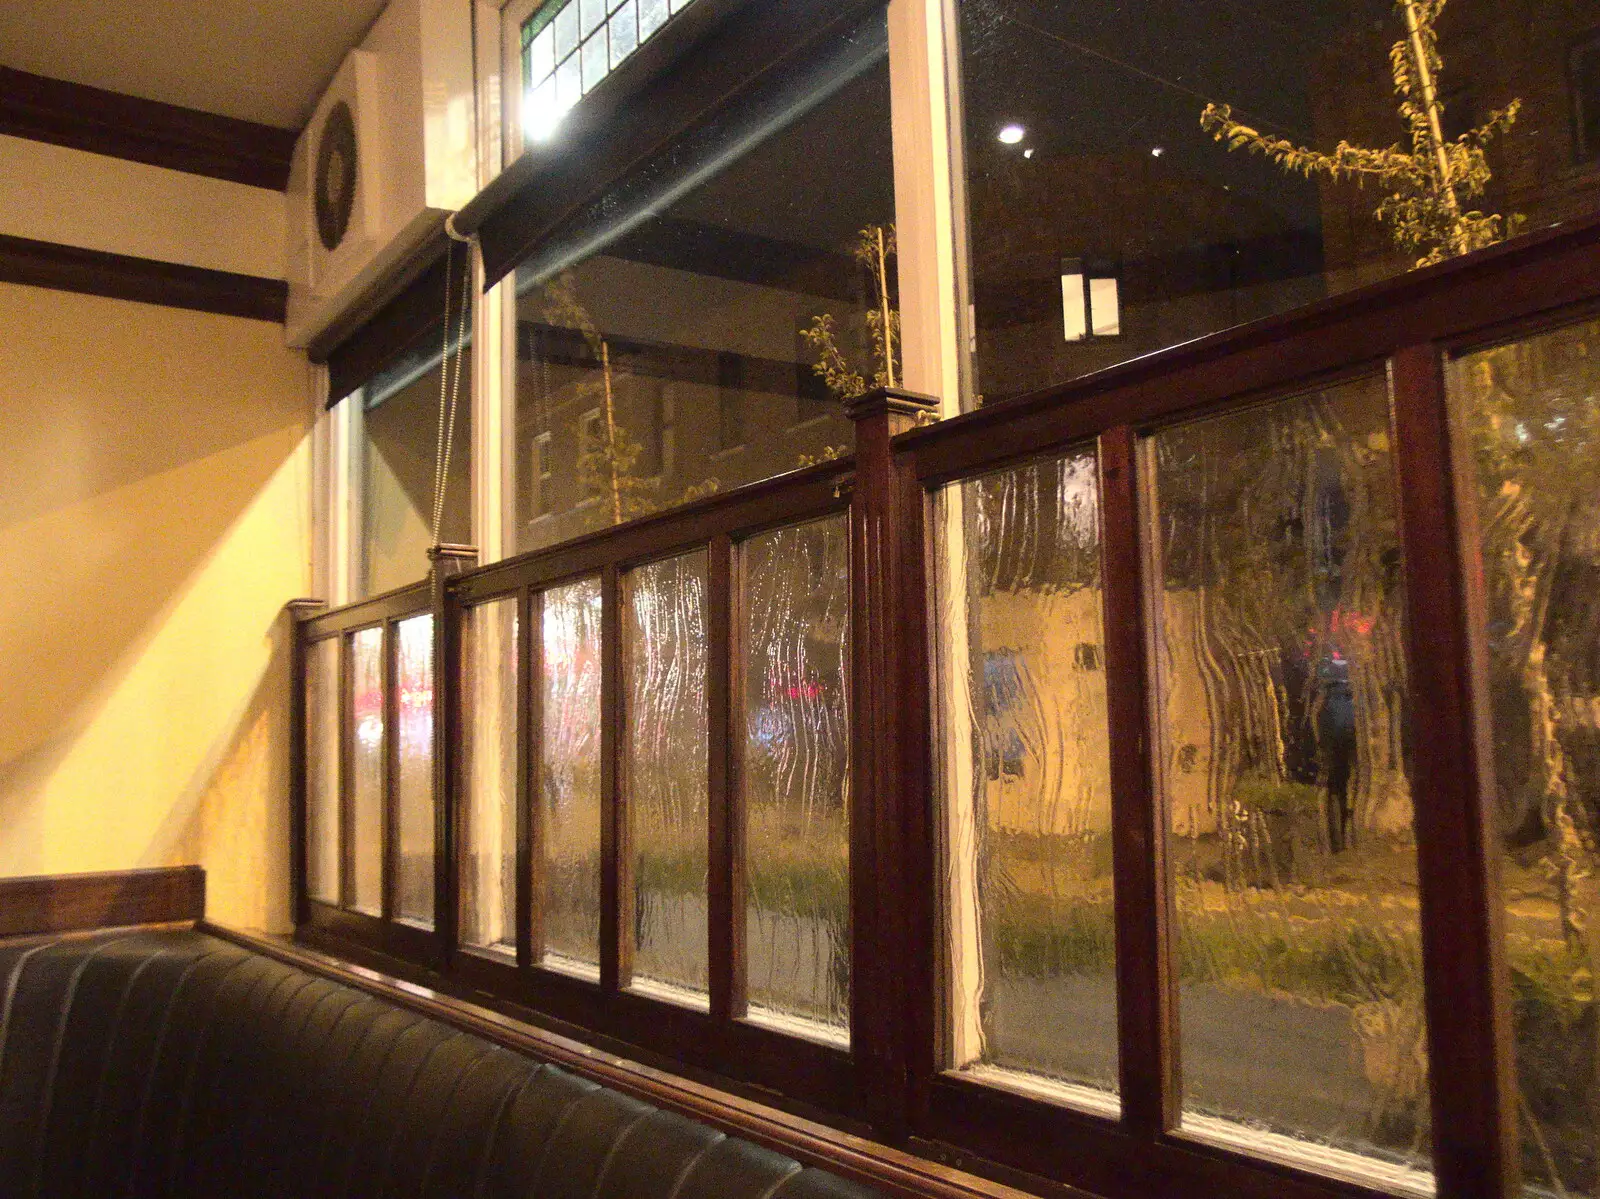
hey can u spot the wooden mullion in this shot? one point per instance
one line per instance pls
(530, 762)
(789, 499)
(724, 710)
(923, 962)
(616, 874)
(880, 912)
(1147, 1049)
(300, 849)
(389, 838)
(412, 600)
(347, 757)
(447, 732)
(1475, 1147)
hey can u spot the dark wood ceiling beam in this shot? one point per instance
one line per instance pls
(144, 280)
(163, 135)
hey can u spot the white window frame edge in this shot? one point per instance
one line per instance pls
(930, 210)
(936, 331)
(335, 493)
(494, 365)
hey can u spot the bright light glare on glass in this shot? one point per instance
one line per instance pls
(1074, 308)
(543, 110)
(1012, 134)
(564, 57)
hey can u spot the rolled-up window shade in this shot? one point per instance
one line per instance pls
(408, 329)
(519, 234)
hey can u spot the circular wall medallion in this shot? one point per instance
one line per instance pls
(336, 175)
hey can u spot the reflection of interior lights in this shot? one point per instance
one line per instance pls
(1012, 134)
(1090, 301)
(369, 732)
(416, 698)
(542, 112)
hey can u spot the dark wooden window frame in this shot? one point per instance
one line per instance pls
(400, 938)
(892, 1083)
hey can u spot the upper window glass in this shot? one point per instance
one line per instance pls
(401, 441)
(697, 327)
(568, 46)
(1143, 173)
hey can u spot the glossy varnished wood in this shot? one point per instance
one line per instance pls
(1468, 297)
(893, 1080)
(1146, 1040)
(724, 710)
(295, 611)
(59, 903)
(1475, 1144)
(317, 621)
(880, 916)
(531, 832)
(616, 878)
(800, 495)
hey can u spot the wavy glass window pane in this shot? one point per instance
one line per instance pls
(1281, 713)
(1084, 144)
(569, 777)
(796, 776)
(322, 770)
(366, 769)
(1027, 787)
(489, 775)
(664, 773)
(414, 677)
(1530, 414)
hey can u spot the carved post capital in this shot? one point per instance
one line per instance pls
(304, 608)
(449, 560)
(903, 409)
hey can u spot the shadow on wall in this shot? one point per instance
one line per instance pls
(153, 521)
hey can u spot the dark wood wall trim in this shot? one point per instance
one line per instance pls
(123, 277)
(893, 1171)
(162, 135)
(63, 903)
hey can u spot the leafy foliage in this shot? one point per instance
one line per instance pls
(873, 248)
(606, 460)
(1432, 185)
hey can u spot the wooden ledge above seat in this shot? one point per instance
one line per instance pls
(61, 903)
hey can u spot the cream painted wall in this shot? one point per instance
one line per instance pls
(51, 193)
(154, 518)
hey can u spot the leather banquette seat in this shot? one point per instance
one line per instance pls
(171, 1063)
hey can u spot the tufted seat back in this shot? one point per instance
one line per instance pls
(170, 1063)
